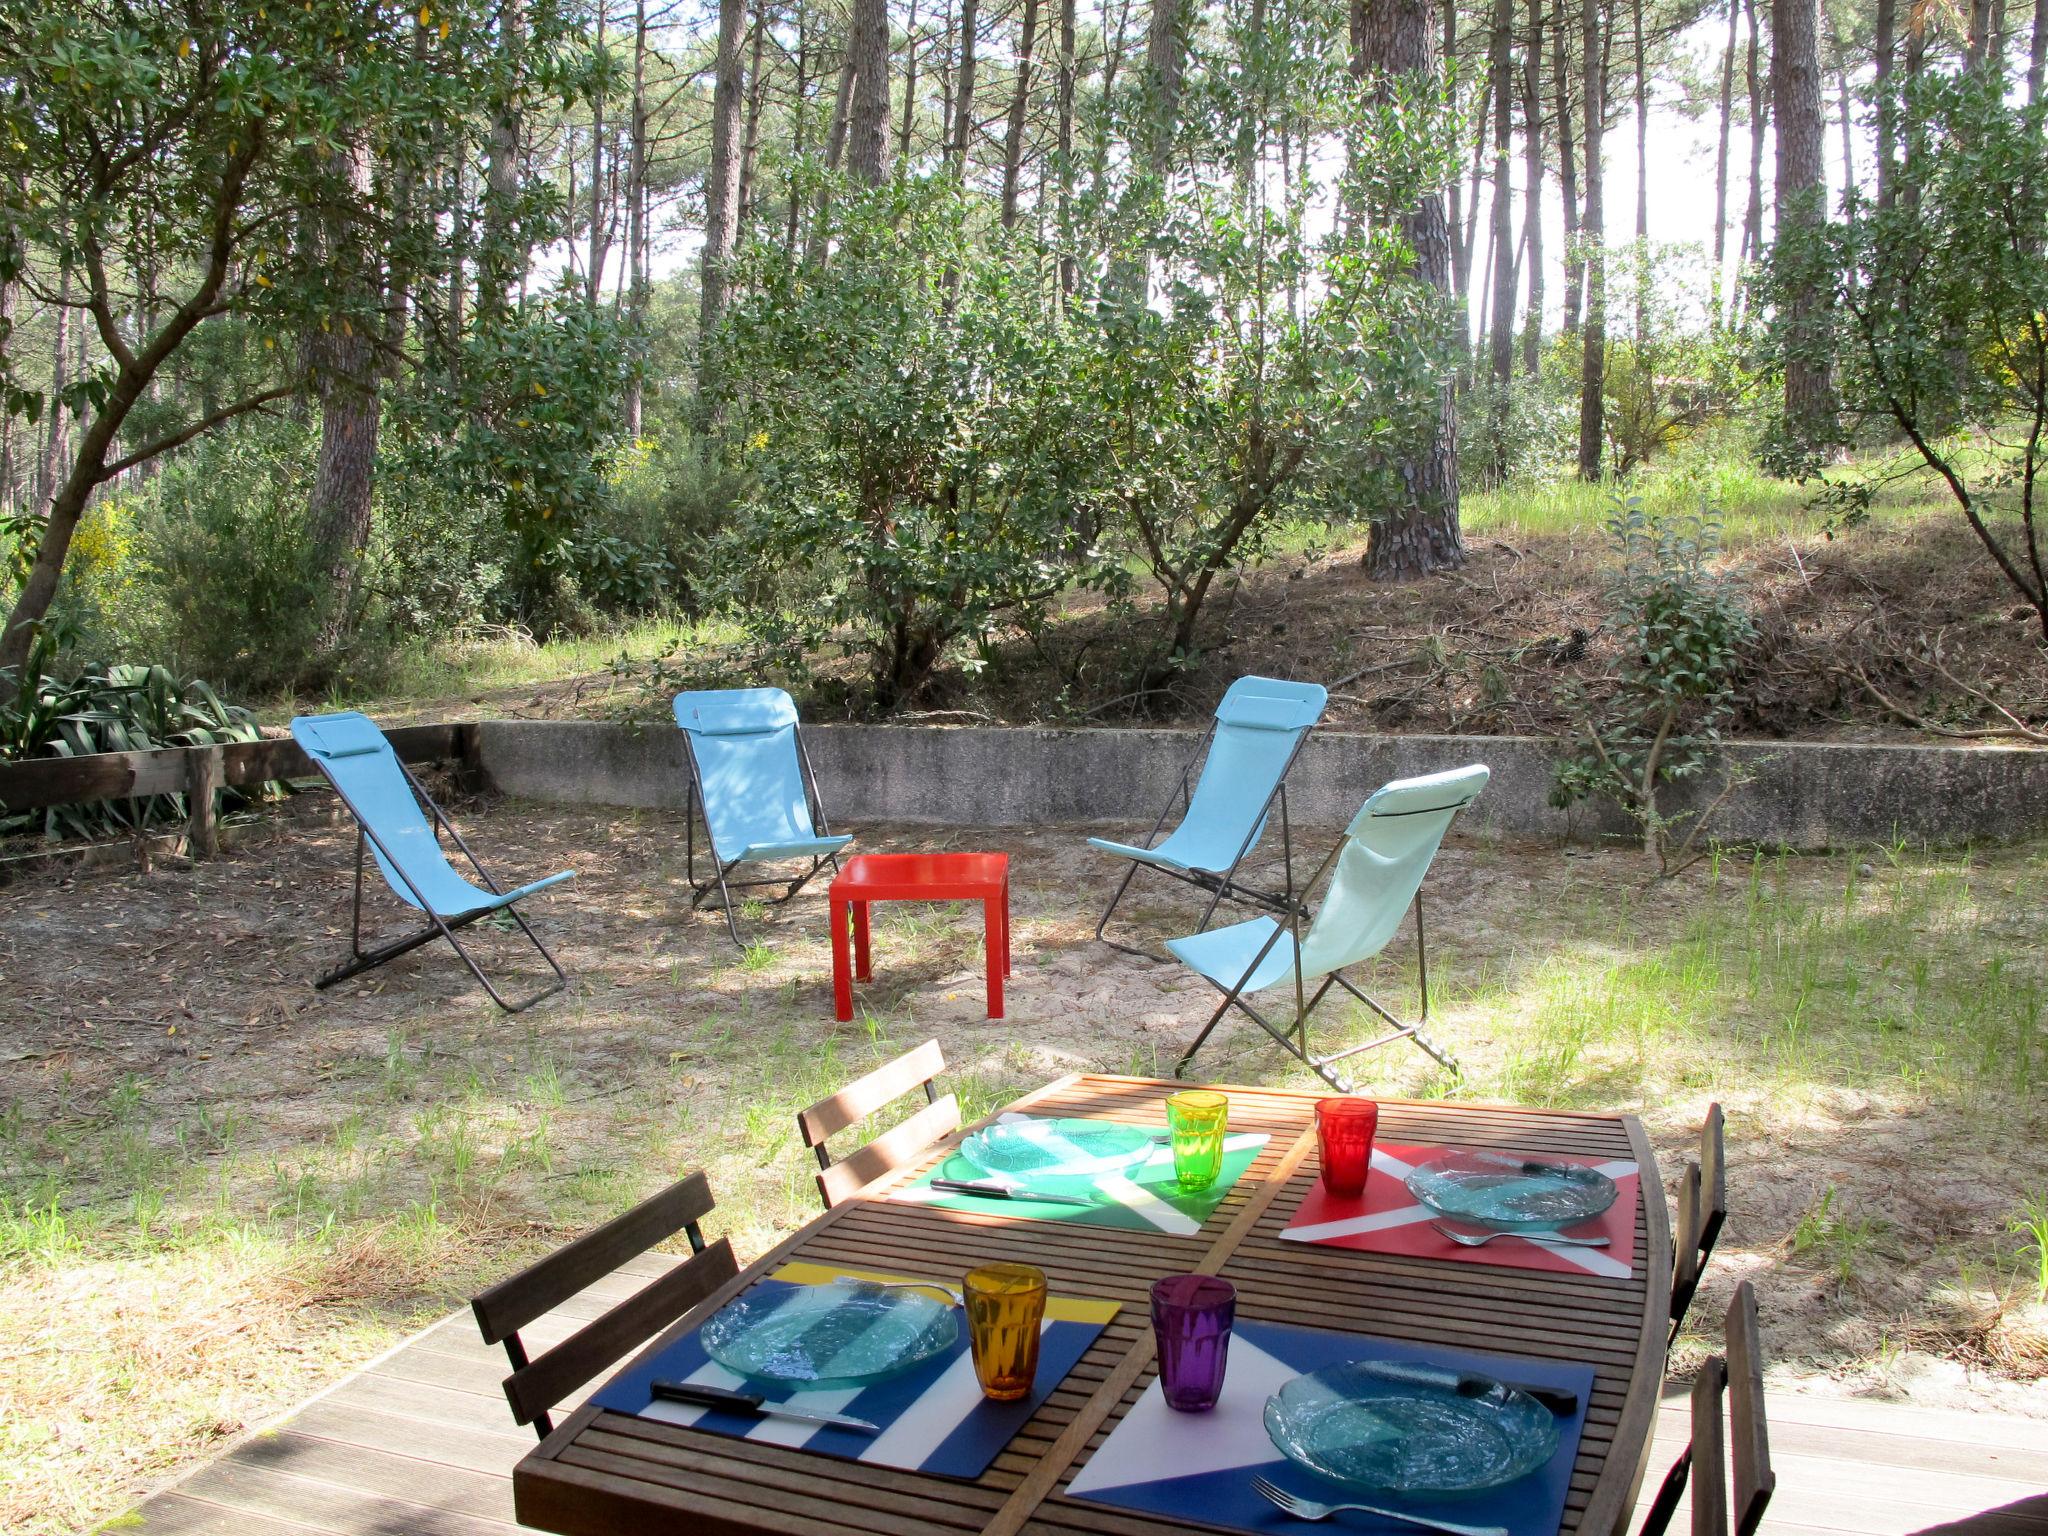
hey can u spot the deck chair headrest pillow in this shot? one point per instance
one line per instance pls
(1272, 704)
(1450, 790)
(735, 711)
(339, 736)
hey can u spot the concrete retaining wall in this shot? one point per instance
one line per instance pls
(1798, 795)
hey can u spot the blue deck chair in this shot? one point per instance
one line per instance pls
(385, 799)
(1378, 869)
(1256, 735)
(752, 779)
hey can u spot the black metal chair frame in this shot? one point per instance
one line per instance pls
(1294, 1039)
(1226, 884)
(438, 927)
(720, 882)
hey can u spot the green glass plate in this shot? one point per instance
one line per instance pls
(1410, 1430)
(1511, 1194)
(1058, 1148)
(834, 1335)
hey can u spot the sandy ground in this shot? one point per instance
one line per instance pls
(192, 982)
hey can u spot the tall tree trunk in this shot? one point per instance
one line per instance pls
(1397, 38)
(636, 211)
(344, 364)
(1801, 191)
(1642, 262)
(1013, 132)
(1846, 102)
(909, 116)
(1070, 273)
(1978, 47)
(501, 252)
(57, 441)
(722, 180)
(958, 141)
(1721, 165)
(867, 130)
(799, 119)
(1165, 53)
(1532, 171)
(1567, 170)
(750, 150)
(1884, 54)
(600, 199)
(1501, 325)
(1593, 231)
(1759, 124)
(1461, 259)
(2037, 52)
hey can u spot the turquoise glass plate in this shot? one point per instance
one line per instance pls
(1416, 1431)
(1510, 1193)
(1058, 1148)
(834, 1335)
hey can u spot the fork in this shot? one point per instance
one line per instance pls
(1309, 1509)
(1548, 1239)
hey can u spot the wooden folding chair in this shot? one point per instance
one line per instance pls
(895, 1146)
(1702, 1208)
(1745, 1441)
(537, 1385)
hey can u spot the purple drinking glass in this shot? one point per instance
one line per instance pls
(1191, 1317)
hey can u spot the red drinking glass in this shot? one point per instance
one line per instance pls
(1344, 1131)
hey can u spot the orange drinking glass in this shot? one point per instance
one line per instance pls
(1005, 1308)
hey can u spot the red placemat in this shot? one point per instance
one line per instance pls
(1387, 1219)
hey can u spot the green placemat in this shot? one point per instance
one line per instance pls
(1147, 1199)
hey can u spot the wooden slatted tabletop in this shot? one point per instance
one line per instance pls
(610, 1474)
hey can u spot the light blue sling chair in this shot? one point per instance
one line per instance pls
(1375, 875)
(385, 799)
(1257, 733)
(752, 779)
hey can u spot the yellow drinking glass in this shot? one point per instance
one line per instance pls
(1005, 1307)
(1196, 1119)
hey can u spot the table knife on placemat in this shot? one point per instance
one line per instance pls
(701, 1395)
(995, 1191)
(1469, 1383)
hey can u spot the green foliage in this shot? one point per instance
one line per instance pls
(1681, 631)
(913, 419)
(2032, 1225)
(1938, 322)
(109, 709)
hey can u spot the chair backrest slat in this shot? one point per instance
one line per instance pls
(1386, 851)
(364, 770)
(536, 1388)
(864, 1095)
(511, 1304)
(1713, 1182)
(1685, 1263)
(1750, 1439)
(743, 741)
(1709, 1456)
(889, 1151)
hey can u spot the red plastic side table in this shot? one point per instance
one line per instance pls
(871, 877)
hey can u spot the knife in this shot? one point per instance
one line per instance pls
(1471, 1384)
(703, 1395)
(995, 1191)
(1531, 1165)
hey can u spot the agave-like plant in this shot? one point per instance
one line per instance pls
(127, 708)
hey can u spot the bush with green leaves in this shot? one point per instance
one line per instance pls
(1655, 719)
(914, 422)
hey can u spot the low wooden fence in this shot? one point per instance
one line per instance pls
(198, 772)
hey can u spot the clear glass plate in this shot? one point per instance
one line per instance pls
(1392, 1430)
(833, 1335)
(1510, 1194)
(1061, 1148)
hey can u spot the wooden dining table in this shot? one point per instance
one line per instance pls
(603, 1473)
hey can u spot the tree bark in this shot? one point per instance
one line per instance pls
(1801, 191)
(345, 369)
(1721, 163)
(867, 150)
(600, 200)
(636, 212)
(1642, 262)
(1759, 123)
(750, 151)
(1532, 171)
(721, 181)
(1013, 132)
(1593, 232)
(1567, 171)
(501, 259)
(1395, 38)
(1840, 49)
(1070, 273)
(57, 441)
(2037, 52)
(963, 90)
(1884, 52)
(1501, 242)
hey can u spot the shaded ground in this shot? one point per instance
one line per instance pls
(219, 1189)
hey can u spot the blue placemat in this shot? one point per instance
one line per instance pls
(1144, 1463)
(933, 1418)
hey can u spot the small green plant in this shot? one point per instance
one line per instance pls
(2032, 1224)
(1835, 1241)
(1682, 632)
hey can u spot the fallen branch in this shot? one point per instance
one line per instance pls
(2017, 727)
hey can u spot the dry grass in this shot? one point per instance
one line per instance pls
(219, 1190)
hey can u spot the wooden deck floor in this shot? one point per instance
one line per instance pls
(420, 1444)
